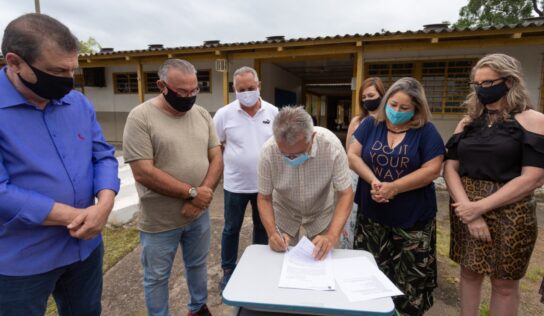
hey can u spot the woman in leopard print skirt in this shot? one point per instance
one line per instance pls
(495, 161)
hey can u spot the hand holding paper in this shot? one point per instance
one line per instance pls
(301, 270)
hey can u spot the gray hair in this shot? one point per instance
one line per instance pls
(179, 64)
(415, 91)
(517, 98)
(26, 35)
(292, 123)
(244, 70)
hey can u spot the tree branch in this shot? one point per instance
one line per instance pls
(535, 7)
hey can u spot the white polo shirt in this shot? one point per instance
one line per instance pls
(243, 137)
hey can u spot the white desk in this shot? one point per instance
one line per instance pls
(254, 286)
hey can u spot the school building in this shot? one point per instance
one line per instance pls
(322, 73)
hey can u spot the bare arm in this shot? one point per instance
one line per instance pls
(415, 180)
(351, 129)
(215, 170)
(91, 221)
(61, 215)
(530, 179)
(453, 181)
(157, 180)
(515, 189)
(357, 164)
(326, 242)
(451, 172)
(266, 212)
(163, 183)
(193, 208)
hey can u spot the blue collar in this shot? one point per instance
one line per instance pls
(12, 97)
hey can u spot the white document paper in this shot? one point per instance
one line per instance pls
(301, 271)
(361, 280)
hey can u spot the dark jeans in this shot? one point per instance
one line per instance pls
(235, 207)
(77, 289)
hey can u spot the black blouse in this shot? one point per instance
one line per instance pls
(495, 153)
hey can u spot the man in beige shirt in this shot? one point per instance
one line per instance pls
(176, 159)
(300, 170)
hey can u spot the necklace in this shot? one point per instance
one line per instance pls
(491, 119)
(396, 132)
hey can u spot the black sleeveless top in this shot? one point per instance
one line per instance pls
(495, 153)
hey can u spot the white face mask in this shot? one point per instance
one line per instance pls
(248, 98)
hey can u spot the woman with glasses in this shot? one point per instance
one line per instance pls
(397, 155)
(371, 93)
(495, 161)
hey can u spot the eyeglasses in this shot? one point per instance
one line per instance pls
(486, 83)
(184, 93)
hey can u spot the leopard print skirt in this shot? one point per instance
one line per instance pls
(513, 231)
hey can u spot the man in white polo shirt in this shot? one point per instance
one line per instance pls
(243, 126)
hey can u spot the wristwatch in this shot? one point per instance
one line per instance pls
(192, 193)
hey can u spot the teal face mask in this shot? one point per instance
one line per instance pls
(397, 118)
(296, 161)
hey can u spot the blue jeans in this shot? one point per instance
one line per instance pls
(158, 252)
(77, 289)
(235, 207)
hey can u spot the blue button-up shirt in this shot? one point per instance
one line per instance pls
(58, 154)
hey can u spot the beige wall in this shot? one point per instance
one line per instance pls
(112, 109)
(273, 77)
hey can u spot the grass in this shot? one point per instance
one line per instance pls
(442, 239)
(118, 242)
(529, 285)
(484, 310)
(535, 274)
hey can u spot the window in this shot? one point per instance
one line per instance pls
(445, 81)
(125, 83)
(78, 82)
(446, 84)
(204, 80)
(94, 76)
(203, 77)
(151, 82)
(390, 72)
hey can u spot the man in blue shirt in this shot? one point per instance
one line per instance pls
(54, 162)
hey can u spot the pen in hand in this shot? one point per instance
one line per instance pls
(282, 238)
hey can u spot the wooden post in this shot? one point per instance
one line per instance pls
(226, 82)
(257, 66)
(358, 74)
(318, 110)
(140, 75)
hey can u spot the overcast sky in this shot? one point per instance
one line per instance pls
(133, 24)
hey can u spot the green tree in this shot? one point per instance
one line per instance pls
(89, 46)
(495, 12)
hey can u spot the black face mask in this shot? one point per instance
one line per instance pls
(180, 104)
(48, 86)
(372, 105)
(491, 94)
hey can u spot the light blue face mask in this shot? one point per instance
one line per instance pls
(397, 118)
(296, 161)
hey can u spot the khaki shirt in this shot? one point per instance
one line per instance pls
(304, 195)
(178, 146)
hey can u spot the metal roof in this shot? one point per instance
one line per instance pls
(430, 29)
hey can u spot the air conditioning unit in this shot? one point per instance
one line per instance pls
(221, 65)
